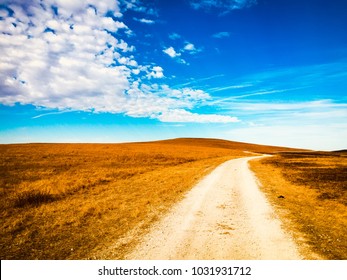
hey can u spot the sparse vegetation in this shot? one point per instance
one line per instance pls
(310, 192)
(33, 198)
(76, 201)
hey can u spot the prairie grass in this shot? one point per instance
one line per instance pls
(310, 192)
(94, 201)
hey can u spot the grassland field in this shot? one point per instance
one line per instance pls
(309, 191)
(80, 201)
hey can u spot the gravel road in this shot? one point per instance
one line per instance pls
(225, 216)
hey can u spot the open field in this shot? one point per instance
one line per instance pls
(309, 191)
(76, 201)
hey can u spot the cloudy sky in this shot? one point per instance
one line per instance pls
(260, 71)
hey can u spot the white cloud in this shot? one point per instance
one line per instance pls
(157, 72)
(4, 13)
(111, 25)
(181, 115)
(189, 47)
(191, 94)
(144, 20)
(156, 101)
(74, 58)
(171, 52)
(222, 34)
(68, 7)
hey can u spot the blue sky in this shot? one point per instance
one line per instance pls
(261, 71)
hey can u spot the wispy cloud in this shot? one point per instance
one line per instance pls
(306, 75)
(316, 124)
(229, 100)
(138, 6)
(180, 115)
(144, 20)
(226, 5)
(222, 34)
(197, 81)
(216, 89)
(289, 106)
(297, 135)
(50, 113)
(174, 36)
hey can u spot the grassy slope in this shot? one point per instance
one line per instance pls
(76, 201)
(218, 143)
(310, 192)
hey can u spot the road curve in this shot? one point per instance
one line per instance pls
(225, 216)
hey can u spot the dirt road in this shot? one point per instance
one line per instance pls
(225, 216)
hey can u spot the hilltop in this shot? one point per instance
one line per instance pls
(226, 144)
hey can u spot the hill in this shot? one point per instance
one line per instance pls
(73, 201)
(226, 144)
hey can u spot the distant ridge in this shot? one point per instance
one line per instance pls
(341, 151)
(191, 142)
(227, 144)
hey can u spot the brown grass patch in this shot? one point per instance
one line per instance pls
(33, 198)
(78, 201)
(309, 190)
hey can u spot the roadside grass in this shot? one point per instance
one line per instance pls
(309, 190)
(94, 201)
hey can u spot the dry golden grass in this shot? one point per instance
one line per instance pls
(309, 190)
(80, 201)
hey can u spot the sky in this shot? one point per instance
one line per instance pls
(259, 71)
